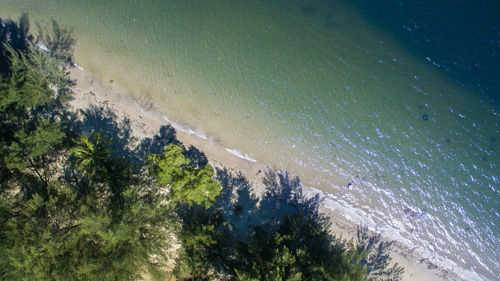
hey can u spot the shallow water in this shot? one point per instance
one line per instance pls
(400, 104)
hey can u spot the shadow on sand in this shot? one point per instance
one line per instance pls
(245, 210)
(104, 120)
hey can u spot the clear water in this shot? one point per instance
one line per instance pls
(336, 92)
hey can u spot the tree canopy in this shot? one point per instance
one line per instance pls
(187, 184)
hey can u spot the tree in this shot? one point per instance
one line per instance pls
(99, 235)
(35, 149)
(193, 190)
(267, 258)
(63, 238)
(300, 249)
(202, 241)
(35, 232)
(92, 155)
(34, 90)
(84, 217)
(30, 133)
(128, 224)
(188, 185)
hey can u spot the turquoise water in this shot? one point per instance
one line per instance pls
(392, 98)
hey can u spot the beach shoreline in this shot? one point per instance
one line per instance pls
(145, 121)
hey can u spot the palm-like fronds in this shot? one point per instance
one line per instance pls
(92, 155)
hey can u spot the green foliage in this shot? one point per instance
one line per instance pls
(301, 249)
(22, 91)
(188, 185)
(122, 250)
(92, 155)
(32, 237)
(15, 34)
(29, 148)
(30, 135)
(44, 67)
(274, 260)
(168, 168)
(29, 105)
(102, 235)
(62, 239)
(201, 245)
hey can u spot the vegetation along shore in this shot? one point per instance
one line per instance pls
(90, 193)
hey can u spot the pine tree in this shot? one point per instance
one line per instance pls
(300, 249)
(202, 242)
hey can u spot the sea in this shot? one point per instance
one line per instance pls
(390, 108)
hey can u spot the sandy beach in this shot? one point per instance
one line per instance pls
(145, 121)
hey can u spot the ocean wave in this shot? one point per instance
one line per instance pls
(239, 154)
(175, 125)
(359, 216)
(197, 133)
(77, 66)
(42, 47)
(181, 128)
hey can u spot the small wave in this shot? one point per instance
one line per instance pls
(239, 154)
(42, 47)
(361, 217)
(46, 49)
(179, 127)
(199, 134)
(175, 125)
(77, 66)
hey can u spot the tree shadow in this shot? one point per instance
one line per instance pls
(16, 34)
(377, 260)
(197, 157)
(104, 120)
(245, 210)
(240, 214)
(282, 188)
(247, 213)
(236, 202)
(154, 145)
(124, 143)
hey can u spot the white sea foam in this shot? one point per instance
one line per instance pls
(42, 47)
(393, 232)
(198, 133)
(181, 128)
(77, 66)
(176, 125)
(239, 154)
(46, 49)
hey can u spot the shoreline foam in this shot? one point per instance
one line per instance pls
(416, 268)
(240, 154)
